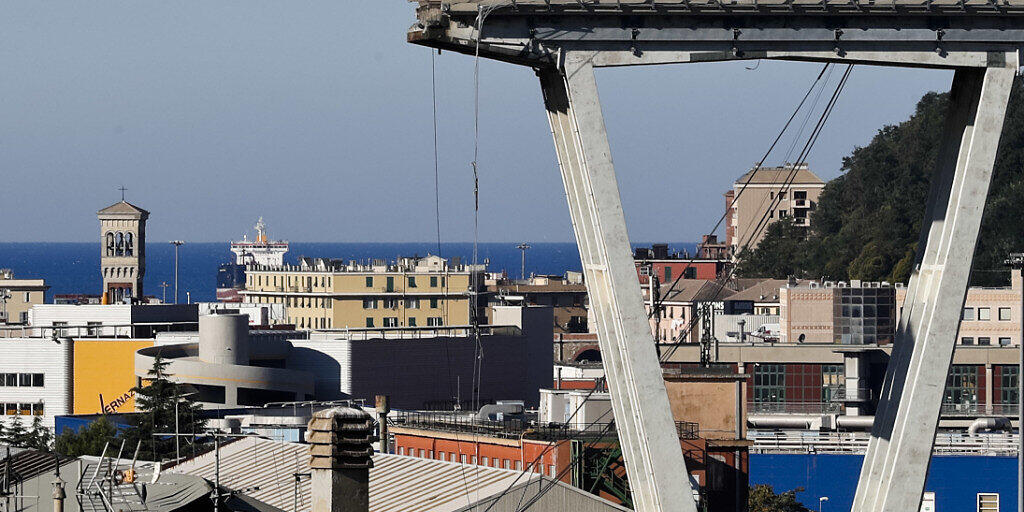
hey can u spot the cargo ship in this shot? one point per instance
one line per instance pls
(261, 251)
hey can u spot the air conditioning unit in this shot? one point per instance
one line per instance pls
(814, 285)
(842, 284)
(830, 284)
(855, 283)
(885, 284)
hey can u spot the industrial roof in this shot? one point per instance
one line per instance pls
(766, 7)
(397, 483)
(780, 175)
(763, 291)
(27, 463)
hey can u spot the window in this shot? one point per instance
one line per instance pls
(1004, 342)
(92, 328)
(391, 321)
(967, 340)
(507, 464)
(988, 502)
(59, 332)
(782, 195)
(412, 321)
(369, 281)
(10, 409)
(645, 270)
(984, 314)
(423, 452)
(770, 383)
(25, 409)
(391, 284)
(463, 458)
(1007, 380)
(433, 303)
(369, 303)
(984, 341)
(434, 321)
(968, 314)
(783, 214)
(519, 465)
(433, 281)
(668, 274)
(551, 470)
(25, 380)
(37, 409)
(11, 378)
(28, 297)
(412, 303)
(369, 321)
(401, 450)
(486, 461)
(390, 303)
(37, 380)
(961, 386)
(1004, 314)
(412, 281)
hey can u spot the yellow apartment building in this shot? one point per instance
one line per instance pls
(323, 293)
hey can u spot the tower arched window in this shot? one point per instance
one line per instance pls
(110, 243)
(119, 250)
(129, 244)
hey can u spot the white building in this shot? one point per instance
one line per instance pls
(35, 379)
(259, 314)
(129, 320)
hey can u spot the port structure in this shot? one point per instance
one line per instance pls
(566, 40)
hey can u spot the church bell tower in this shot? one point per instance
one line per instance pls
(122, 251)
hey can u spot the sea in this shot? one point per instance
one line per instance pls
(75, 267)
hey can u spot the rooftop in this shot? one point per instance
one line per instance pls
(123, 208)
(800, 175)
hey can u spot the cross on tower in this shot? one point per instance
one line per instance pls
(122, 189)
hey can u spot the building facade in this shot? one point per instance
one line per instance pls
(566, 295)
(17, 296)
(790, 191)
(332, 294)
(122, 251)
(35, 379)
(854, 313)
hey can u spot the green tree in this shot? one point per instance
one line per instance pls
(15, 434)
(762, 498)
(867, 222)
(89, 440)
(154, 401)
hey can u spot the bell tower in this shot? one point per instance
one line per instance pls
(122, 251)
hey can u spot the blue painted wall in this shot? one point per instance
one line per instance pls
(955, 480)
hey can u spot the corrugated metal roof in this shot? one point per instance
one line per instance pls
(27, 464)
(397, 483)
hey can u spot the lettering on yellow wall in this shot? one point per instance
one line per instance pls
(115, 404)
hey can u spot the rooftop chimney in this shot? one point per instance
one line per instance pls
(340, 459)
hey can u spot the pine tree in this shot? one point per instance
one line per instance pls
(154, 401)
(89, 440)
(15, 433)
(39, 437)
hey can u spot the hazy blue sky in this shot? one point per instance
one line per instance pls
(317, 115)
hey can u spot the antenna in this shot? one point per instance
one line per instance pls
(523, 247)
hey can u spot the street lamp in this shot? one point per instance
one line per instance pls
(821, 500)
(176, 244)
(522, 247)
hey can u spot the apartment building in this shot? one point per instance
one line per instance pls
(789, 191)
(854, 313)
(566, 295)
(323, 293)
(667, 266)
(17, 296)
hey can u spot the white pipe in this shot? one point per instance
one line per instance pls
(774, 421)
(855, 421)
(989, 424)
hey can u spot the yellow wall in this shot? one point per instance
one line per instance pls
(105, 367)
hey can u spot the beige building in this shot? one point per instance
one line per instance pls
(123, 251)
(333, 294)
(17, 296)
(789, 191)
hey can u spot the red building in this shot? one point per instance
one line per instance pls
(667, 267)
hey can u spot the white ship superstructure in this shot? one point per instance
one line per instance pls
(262, 251)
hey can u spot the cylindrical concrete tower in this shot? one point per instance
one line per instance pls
(224, 339)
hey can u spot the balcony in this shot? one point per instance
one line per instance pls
(802, 221)
(972, 410)
(801, 203)
(803, 408)
(851, 395)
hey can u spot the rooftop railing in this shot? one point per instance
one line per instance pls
(444, 421)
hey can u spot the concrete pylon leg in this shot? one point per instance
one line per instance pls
(896, 465)
(647, 434)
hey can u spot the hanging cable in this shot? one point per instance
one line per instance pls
(657, 305)
(812, 139)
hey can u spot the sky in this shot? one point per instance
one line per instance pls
(317, 115)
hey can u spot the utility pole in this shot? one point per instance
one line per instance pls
(523, 247)
(176, 244)
(164, 285)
